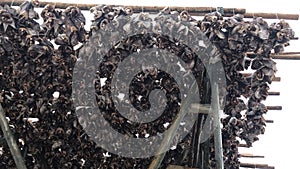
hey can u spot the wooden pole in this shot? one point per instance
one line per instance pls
(273, 93)
(275, 79)
(200, 108)
(151, 9)
(269, 121)
(244, 145)
(284, 55)
(251, 165)
(155, 164)
(272, 16)
(217, 132)
(201, 150)
(246, 155)
(14, 149)
(195, 11)
(198, 157)
(287, 56)
(274, 107)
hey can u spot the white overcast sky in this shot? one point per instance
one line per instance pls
(280, 144)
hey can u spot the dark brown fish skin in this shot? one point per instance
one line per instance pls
(32, 68)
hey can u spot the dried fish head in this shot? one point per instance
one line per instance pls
(62, 39)
(238, 17)
(278, 48)
(231, 22)
(185, 16)
(128, 11)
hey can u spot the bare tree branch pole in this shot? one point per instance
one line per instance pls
(274, 107)
(251, 165)
(275, 79)
(271, 93)
(273, 16)
(150, 9)
(195, 11)
(269, 121)
(286, 56)
(155, 164)
(15, 151)
(246, 155)
(217, 133)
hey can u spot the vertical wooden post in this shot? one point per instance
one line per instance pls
(217, 132)
(201, 151)
(205, 154)
(199, 156)
(155, 164)
(15, 151)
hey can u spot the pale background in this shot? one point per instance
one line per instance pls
(279, 145)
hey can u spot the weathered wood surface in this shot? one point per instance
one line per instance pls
(12, 144)
(196, 11)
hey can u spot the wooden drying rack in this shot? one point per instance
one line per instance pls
(201, 11)
(196, 11)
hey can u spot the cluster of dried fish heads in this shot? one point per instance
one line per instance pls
(37, 61)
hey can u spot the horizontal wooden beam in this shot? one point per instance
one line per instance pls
(244, 145)
(200, 108)
(204, 108)
(269, 121)
(274, 107)
(271, 93)
(285, 53)
(258, 166)
(272, 16)
(275, 79)
(286, 56)
(150, 9)
(248, 155)
(196, 11)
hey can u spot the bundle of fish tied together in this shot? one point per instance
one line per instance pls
(37, 60)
